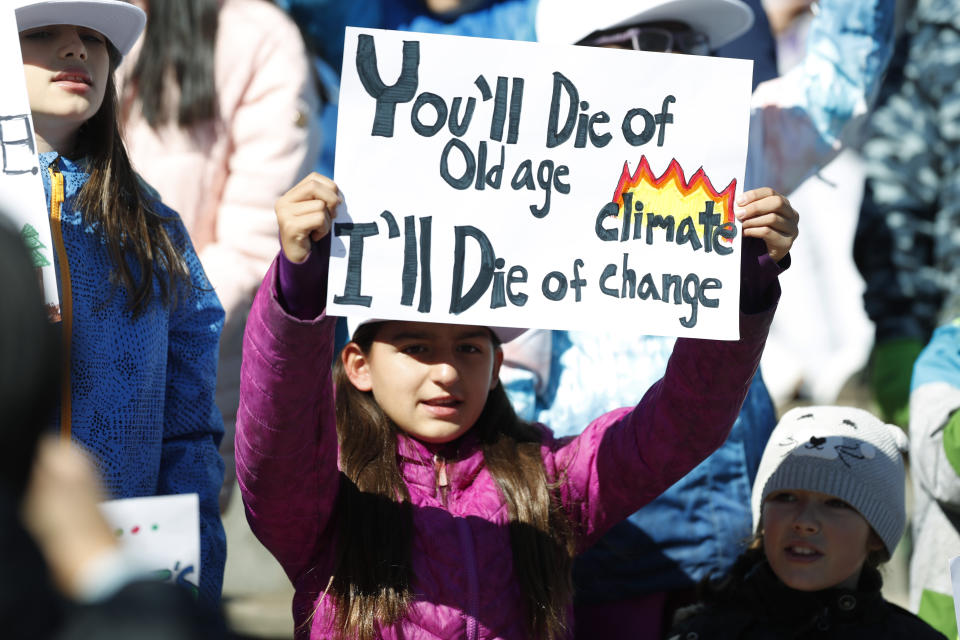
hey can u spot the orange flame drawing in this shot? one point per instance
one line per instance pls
(671, 194)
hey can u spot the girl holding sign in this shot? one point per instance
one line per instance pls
(140, 320)
(404, 498)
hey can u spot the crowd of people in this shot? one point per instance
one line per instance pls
(458, 481)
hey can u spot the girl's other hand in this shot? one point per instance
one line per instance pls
(305, 213)
(767, 215)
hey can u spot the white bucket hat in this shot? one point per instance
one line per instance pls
(120, 22)
(504, 334)
(570, 21)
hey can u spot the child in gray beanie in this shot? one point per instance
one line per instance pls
(828, 508)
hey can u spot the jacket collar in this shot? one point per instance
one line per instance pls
(781, 602)
(463, 459)
(74, 172)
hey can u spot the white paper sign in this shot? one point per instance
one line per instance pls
(519, 184)
(162, 533)
(955, 580)
(21, 187)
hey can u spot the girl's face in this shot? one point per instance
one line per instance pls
(815, 541)
(431, 379)
(66, 68)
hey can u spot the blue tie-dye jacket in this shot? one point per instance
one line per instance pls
(142, 387)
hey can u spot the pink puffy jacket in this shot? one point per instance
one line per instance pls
(462, 565)
(223, 177)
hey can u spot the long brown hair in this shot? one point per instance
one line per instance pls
(373, 572)
(115, 200)
(178, 52)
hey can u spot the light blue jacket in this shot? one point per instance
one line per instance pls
(142, 387)
(935, 468)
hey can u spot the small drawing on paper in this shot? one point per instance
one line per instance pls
(17, 145)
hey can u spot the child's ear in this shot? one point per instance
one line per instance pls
(874, 543)
(497, 361)
(357, 366)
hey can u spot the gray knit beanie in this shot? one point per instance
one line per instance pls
(844, 452)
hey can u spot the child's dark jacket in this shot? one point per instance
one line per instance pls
(760, 607)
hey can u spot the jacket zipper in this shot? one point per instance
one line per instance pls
(440, 469)
(66, 297)
(466, 545)
(473, 581)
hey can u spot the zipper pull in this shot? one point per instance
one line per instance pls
(440, 466)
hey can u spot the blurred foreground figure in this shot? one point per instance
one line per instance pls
(62, 574)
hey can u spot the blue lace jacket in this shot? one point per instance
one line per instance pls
(142, 387)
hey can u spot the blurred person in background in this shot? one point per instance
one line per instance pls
(907, 244)
(823, 338)
(219, 107)
(935, 452)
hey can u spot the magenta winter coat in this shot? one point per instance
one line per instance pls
(462, 565)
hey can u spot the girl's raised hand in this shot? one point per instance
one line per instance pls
(767, 215)
(305, 213)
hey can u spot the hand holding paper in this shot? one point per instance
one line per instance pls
(305, 213)
(767, 215)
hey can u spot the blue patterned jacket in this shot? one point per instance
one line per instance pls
(142, 387)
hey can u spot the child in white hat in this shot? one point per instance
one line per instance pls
(140, 322)
(828, 507)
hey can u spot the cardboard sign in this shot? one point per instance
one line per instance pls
(21, 188)
(162, 533)
(519, 184)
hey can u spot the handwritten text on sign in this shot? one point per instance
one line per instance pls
(516, 184)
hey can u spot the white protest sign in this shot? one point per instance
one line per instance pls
(21, 187)
(955, 580)
(519, 184)
(162, 533)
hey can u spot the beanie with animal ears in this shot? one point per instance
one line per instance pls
(840, 451)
